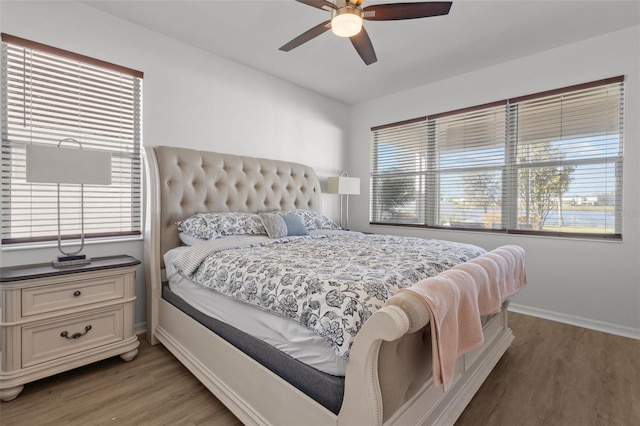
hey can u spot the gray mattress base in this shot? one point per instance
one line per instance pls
(326, 389)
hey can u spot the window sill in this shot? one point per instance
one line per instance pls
(517, 234)
(54, 244)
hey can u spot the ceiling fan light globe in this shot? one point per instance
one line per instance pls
(346, 24)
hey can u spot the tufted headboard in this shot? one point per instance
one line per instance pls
(187, 181)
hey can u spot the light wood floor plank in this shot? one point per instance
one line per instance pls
(553, 374)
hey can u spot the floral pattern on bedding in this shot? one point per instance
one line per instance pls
(330, 284)
(313, 220)
(207, 226)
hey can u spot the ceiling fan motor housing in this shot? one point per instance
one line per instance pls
(346, 21)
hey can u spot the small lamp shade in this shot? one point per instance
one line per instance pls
(51, 164)
(343, 185)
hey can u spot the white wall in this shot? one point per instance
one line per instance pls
(190, 99)
(193, 99)
(590, 283)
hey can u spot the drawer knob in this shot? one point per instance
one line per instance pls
(65, 334)
(77, 293)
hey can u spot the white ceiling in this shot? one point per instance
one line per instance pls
(476, 34)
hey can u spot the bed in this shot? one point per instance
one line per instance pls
(388, 377)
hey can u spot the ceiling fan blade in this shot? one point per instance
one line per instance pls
(364, 47)
(319, 4)
(307, 35)
(393, 12)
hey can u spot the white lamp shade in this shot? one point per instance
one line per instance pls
(343, 185)
(52, 164)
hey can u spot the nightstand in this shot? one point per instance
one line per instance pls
(56, 319)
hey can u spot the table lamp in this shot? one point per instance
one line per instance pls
(343, 185)
(57, 164)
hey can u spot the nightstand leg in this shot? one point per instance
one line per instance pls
(10, 393)
(128, 356)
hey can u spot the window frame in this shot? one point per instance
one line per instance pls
(128, 154)
(510, 197)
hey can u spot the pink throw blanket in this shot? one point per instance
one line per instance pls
(456, 299)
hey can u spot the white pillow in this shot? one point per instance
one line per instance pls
(188, 240)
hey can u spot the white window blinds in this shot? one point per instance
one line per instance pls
(548, 163)
(569, 160)
(399, 165)
(470, 159)
(49, 95)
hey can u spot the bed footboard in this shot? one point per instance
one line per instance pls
(389, 375)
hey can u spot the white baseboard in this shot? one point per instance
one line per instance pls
(606, 327)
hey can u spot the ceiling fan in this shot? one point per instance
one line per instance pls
(347, 16)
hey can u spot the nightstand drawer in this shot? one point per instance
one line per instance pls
(55, 297)
(47, 341)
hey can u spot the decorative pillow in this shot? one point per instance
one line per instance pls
(282, 225)
(294, 225)
(313, 220)
(208, 226)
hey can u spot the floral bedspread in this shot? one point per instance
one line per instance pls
(330, 284)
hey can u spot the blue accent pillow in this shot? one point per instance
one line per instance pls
(279, 226)
(294, 225)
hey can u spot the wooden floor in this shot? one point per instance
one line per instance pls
(557, 374)
(553, 374)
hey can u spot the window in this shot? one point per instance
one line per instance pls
(549, 163)
(48, 95)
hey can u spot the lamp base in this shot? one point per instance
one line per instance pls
(64, 261)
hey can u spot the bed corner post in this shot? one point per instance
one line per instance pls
(362, 402)
(152, 244)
